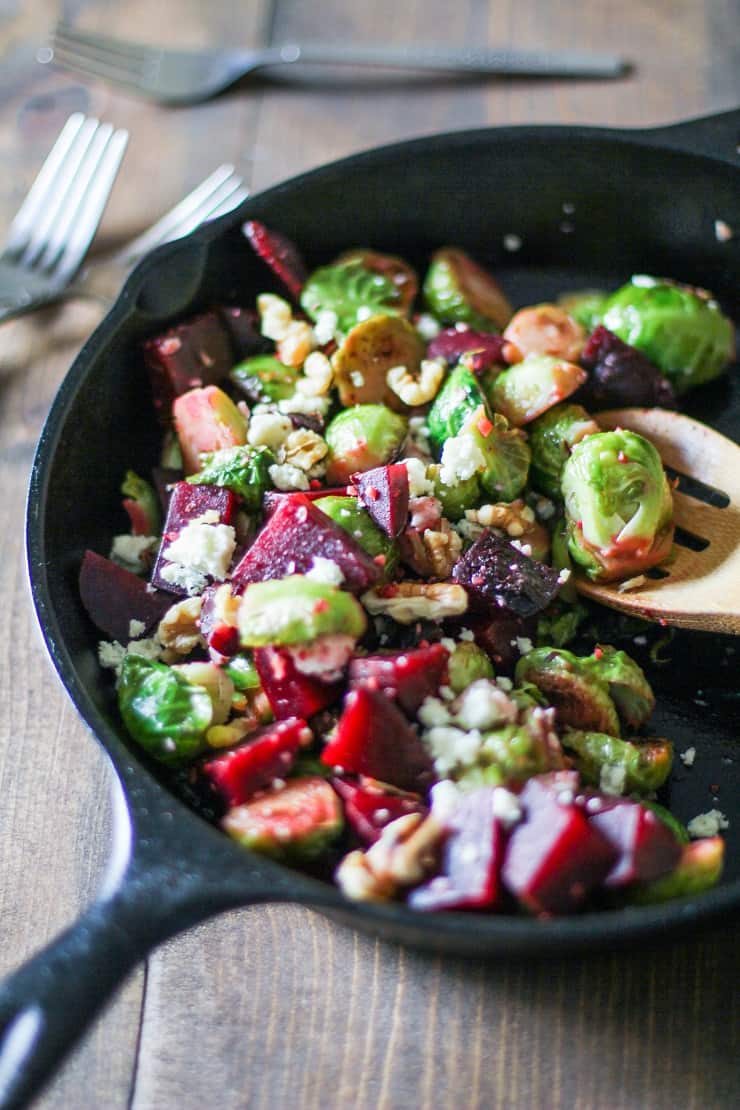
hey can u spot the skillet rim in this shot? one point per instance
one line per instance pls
(489, 935)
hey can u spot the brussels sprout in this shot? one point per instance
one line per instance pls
(618, 505)
(368, 352)
(580, 697)
(351, 290)
(458, 291)
(165, 713)
(646, 763)
(530, 387)
(546, 329)
(680, 329)
(265, 378)
(215, 681)
(296, 823)
(699, 869)
(552, 436)
(465, 664)
(296, 610)
(505, 453)
(401, 276)
(586, 306)
(462, 494)
(457, 399)
(243, 673)
(512, 753)
(360, 438)
(350, 515)
(142, 505)
(244, 470)
(628, 688)
(679, 831)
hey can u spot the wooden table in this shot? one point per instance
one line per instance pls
(277, 1006)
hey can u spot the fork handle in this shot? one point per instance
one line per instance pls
(471, 60)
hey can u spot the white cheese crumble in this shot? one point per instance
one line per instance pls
(136, 629)
(612, 779)
(433, 712)
(201, 549)
(707, 824)
(325, 327)
(419, 484)
(452, 748)
(287, 477)
(448, 643)
(130, 552)
(111, 653)
(506, 807)
(461, 459)
(467, 634)
(427, 327)
(325, 570)
(302, 405)
(524, 645)
(268, 429)
(688, 757)
(326, 656)
(484, 705)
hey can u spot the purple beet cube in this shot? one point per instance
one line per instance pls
(196, 353)
(294, 534)
(113, 597)
(451, 343)
(497, 575)
(188, 502)
(646, 847)
(243, 327)
(384, 491)
(621, 375)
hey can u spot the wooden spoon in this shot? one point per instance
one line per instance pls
(701, 588)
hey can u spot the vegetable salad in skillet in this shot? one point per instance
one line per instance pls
(345, 616)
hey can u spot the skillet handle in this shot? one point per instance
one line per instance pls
(49, 1002)
(716, 136)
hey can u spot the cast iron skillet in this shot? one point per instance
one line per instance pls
(590, 207)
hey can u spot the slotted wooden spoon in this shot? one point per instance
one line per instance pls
(701, 588)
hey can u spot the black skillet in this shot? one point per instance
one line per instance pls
(590, 207)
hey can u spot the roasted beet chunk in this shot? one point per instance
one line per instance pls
(374, 738)
(406, 676)
(195, 353)
(498, 632)
(384, 491)
(188, 502)
(289, 692)
(621, 375)
(296, 533)
(267, 755)
(555, 857)
(646, 846)
(282, 256)
(114, 597)
(451, 343)
(497, 574)
(370, 805)
(243, 326)
(469, 876)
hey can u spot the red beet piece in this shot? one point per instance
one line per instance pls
(384, 491)
(369, 806)
(195, 353)
(187, 502)
(646, 847)
(280, 254)
(555, 857)
(405, 676)
(469, 876)
(621, 375)
(289, 692)
(292, 536)
(374, 738)
(113, 597)
(243, 326)
(451, 343)
(497, 575)
(268, 754)
(496, 633)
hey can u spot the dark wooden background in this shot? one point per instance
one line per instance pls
(276, 1007)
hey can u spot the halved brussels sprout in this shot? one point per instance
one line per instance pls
(368, 352)
(532, 386)
(513, 753)
(504, 450)
(244, 470)
(699, 869)
(628, 688)
(455, 498)
(398, 272)
(164, 712)
(618, 505)
(586, 306)
(467, 663)
(350, 515)
(645, 764)
(546, 329)
(142, 504)
(458, 291)
(360, 438)
(296, 610)
(681, 329)
(552, 436)
(350, 289)
(265, 378)
(581, 697)
(457, 399)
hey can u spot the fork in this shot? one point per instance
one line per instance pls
(188, 76)
(54, 226)
(218, 194)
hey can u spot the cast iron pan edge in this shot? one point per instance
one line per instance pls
(174, 870)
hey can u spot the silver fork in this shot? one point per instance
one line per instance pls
(54, 226)
(218, 194)
(188, 76)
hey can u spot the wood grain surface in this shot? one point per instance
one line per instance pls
(278, 1007)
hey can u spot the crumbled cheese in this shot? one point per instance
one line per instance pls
(268, 429)
(524, 644)
(525, 548)
(419, 484)
(427, 327)
(506, 807)
(325, 570)
(287, 477)
(357, 378)
(461, 459)
(177, 574)
(325, 328)
(484, 705)
(446, 801)
(722, 231)
(504, 683)
(135, 629)
(448, 643)
(545, 508)
(276, 316)
(452, 748)
(364, 312)
(130, 552)
(201, 548)
(326, 656)
(305, 406)
(707, 824)
(612, 779)
(688, 757)
(432, 712)
(110, 654)
(564, 575)
(467, 634)
(149, 649)
(512, 242)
